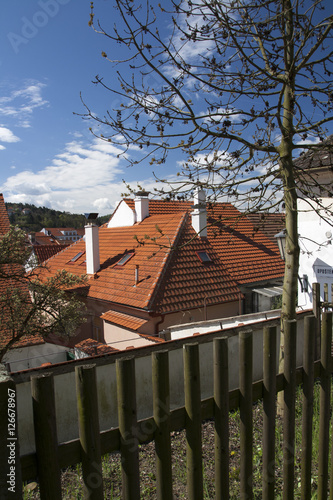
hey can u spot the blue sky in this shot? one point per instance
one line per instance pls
(48, 55)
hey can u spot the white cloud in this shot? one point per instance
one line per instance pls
(21, 103)
(83, 177)
(7, 135)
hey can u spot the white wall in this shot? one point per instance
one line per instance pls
(64, 380)
(25, 358)
(122, 338)
(316, 258)
(123, 216)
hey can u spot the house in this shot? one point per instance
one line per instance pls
(45, 252)
(158, 263)
(27, 352)
(63, 234)
(315, 222)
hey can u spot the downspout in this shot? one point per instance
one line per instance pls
(158, 324)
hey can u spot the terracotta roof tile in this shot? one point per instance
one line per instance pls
(268, 223)
(4, 220)
(125, 320)
(40, 238)
(314, 159)
(94, 348)
(45, 252)
(117, 283)
(170, 274)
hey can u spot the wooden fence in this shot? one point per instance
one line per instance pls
(45, 465)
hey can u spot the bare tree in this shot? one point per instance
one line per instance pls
(238, 88)
(29, 306)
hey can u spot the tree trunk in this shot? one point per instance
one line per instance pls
(285, 150)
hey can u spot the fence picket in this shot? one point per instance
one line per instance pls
(307, 408)
(289, 408)
(245, 408)
(221, 416)
(43, 403)
(326, 294)
(193, 422)
(127, 416)
(87, 404)
(316, 306)
(325, 396)
(161, 405)
(45, 463)
(10, 467)
(269, 405)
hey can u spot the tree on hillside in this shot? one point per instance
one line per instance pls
(31, 308)
(238, 88)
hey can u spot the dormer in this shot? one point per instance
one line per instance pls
(127, 215)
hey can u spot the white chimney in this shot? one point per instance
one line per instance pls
(199, 214)
(92, 248)
(141, 203)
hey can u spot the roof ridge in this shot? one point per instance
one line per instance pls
(167, 259)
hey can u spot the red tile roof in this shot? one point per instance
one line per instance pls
(244, 248)
(171, 276)
(248, 255)
(268, 223)
(4, 220)
(41, 239)
(93, 347)
(124, 320)
(45, 252)
(117, 283)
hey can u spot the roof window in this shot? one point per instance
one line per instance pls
(76, 257)
(125, 259)
(204, 257)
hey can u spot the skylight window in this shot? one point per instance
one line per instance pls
(125, 259)
(76, 257)
(204, 257)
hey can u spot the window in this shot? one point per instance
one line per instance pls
(125, 259)
(204, 257)
(76, 257)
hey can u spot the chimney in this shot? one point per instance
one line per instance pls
(92, 248)
(141, 202)
(199, 214)
(136, 275)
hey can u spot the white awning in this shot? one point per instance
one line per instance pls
(273, 291)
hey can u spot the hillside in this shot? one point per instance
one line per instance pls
(35, 218)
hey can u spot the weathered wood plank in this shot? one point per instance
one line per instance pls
(69, 452)
(307, 408)
(126, 395)
(269, 406)
(325, 397)
(245, 407)
(289, 409)
(221, 416)
(43, 404)
(10, 470)
(87, 407)
(193, 422)
(161, 409)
